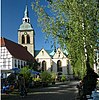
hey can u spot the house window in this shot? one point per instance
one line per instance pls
(23, 39)
(59, 64)
(28, 39)
(18, 64)
(15, 64)
(44, 66)
(24, 63)
(21, 64)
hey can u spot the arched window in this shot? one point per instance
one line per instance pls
(44, 66)
(23, 39)
(28, 39)
(59, 64)
(68, 67)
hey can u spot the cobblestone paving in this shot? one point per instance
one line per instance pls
(60, 91)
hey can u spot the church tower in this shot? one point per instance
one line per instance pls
(26, 33)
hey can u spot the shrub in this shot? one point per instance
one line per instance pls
(46, 77)
(36, 79)
(63, 78)
(26, 73)
(53, 76)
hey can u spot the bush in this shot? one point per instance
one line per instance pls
(46, 77)
(63, 78)
(36, 79)
(53, 76)
(26, 73)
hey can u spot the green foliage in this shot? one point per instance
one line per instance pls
(26, 73)
(46, 77)
(74, 24)
(53, 76)
(36, 79)
(63, 78)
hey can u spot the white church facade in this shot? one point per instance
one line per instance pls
(57, 62)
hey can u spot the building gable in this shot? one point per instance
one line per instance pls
(43, 54)
(59, 54)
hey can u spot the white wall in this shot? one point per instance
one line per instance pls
(5, 59)
(44, 56)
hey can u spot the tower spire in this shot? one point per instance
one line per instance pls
(26, 11)
(26, 15)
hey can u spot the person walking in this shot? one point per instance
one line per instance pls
(22, 88)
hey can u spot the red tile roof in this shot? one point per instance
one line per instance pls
(16, 50)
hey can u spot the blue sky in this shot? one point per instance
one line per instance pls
(12, 12)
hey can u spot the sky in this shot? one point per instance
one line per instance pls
(12, 12)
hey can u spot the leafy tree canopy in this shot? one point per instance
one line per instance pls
(75, 25)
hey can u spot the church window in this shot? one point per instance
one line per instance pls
(44, 66)
(68, 67)
(59, 64)
(28, 20)
(23, 39)
(28, 39)
(42, 53)
(25, 20)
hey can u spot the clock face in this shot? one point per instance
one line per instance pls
(25, 33)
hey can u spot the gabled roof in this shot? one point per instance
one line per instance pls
(51, 53)
(16, 50)
(39, 53)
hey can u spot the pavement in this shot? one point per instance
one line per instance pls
(59, 91)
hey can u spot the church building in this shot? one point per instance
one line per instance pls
(26, 33)
(17, 54)
(48, 60)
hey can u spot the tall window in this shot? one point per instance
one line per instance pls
(28, 39)
(59, 64)
(68, 67)
(15, 63)
(23, 39)
(18, 64)
(44, 66)
(21, 64)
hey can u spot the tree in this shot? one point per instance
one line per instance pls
(75, 25)
(26, 73)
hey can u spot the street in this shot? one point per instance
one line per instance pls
(59, 91)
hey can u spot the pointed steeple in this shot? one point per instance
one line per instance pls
(26, 16)
(26, 12)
